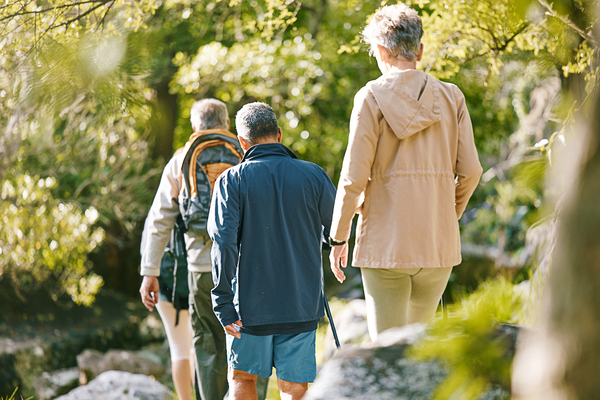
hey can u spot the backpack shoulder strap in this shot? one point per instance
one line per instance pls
(196, 144)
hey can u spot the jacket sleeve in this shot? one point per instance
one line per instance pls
(468, 168)
(326, 208)
(160, 221)
(358, 160)
(223, 225)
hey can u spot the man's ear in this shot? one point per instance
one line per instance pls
(245, 145)
(279, 135)
(229, 122)
(420, 55)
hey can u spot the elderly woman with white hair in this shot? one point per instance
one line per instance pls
(409, 170)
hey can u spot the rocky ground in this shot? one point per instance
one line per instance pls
(49, 349)
(42, 335)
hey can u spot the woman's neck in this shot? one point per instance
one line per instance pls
(396, 64)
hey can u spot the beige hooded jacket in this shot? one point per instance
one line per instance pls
(410, 168)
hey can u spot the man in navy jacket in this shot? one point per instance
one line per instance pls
(268, 219)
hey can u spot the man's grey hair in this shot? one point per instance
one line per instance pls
(398, 28)
(209, 114)
(256, 121)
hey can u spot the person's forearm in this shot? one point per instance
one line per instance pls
(155, 238)
(466, 185)
(224, 268)
(346, 205)
(159, 223)
(222, 227)
(358, 161)
(468, 167)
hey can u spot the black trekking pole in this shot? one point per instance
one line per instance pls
(330, 318)
(444, 309)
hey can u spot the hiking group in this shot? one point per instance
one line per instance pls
(249, 220)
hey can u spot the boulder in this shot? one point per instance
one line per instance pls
(120, 385)
(380, 371)
(375, 373)
(157, 352)
(92, 363)
(28, 349)
(351, 327)
(53, 384)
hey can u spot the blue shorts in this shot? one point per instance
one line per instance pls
(293, 356)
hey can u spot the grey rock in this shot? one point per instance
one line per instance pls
(92, 363)
(114, 322)
(407, 334)
(376, 370)
(351, 327)
(53, 384)
(379, 370)
(380, 373)
(120, 385)
(157, 352)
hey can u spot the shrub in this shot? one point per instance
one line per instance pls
(45, 242)
(468, 341)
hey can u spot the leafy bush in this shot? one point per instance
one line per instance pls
(469, 344)
(45, 242)
(73, 162)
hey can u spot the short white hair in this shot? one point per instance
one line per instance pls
(209, 114)
(398, 28)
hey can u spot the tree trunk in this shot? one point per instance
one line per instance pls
(574, 317)
(562, 361)
(118, 259)
(163, 122)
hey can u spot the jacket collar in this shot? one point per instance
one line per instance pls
(267, 149)
(224, 132)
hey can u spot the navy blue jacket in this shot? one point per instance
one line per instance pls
(268, 218)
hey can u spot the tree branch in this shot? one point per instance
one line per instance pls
(45, 10)
(488, 30)
(281, 32)
(106, 13)
(517, 33)
(12, 4)
(318, 15)
(565, 20)
(77, 18)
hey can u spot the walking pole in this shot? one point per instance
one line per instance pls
(444, 311)
(330, 318)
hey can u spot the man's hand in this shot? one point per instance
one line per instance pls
(339, 257)
(232, 330)
(149, 292)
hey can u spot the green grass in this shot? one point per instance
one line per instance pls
(12, 396)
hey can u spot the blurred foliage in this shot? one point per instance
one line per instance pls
(469, 343)
(510, 208)
(49, 249)
(297, 71)
(87, 89)
(12, 396)
(77, 127)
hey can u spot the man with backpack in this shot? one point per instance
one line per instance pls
(268, 220)
(185, 190)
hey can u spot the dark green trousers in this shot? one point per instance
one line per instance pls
(209, 343)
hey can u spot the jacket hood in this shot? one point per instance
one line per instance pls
(408, 101)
